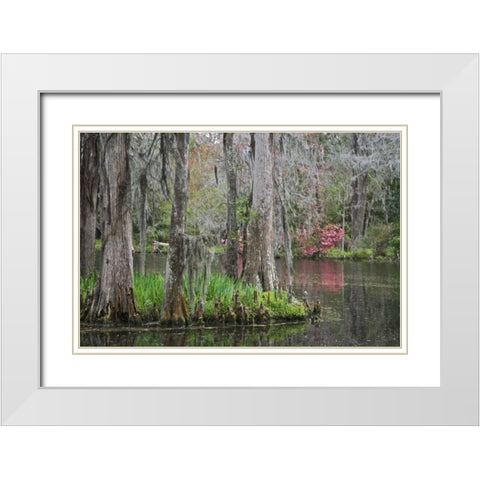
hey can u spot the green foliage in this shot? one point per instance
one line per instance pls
(158, 229)
(333, 197)
(362, 254)
(149, 291)
(222, 287)
(158, 232)
(357, 254)
(393, 249)
(391, 252)
(245, 214)
(377, 238)
(220, 248)
(206, 210)
(392, 200)
(383, 240)
(337, 253)
(279, 305)
(87, 285)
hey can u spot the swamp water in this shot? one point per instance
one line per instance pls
(360, 308)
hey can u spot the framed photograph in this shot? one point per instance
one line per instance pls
(240, 239)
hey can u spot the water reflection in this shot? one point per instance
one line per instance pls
(315, 276)
(222, 336)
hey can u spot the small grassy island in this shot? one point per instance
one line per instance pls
(223, 301)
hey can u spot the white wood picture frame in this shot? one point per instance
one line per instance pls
(26, 77)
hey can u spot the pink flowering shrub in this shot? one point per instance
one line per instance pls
(319, 239)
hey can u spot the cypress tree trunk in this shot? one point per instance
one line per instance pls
(359, 193)
(259, 265)
(89, 181)
(142, 204)
(358, 203)
(142, 220)
(232, 228)
(114, 297)
(282, 195)
(287, 244)
(142, 214)
(174, 308)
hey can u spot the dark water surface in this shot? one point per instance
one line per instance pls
(360, 307)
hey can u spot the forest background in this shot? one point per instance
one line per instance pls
(252, 197)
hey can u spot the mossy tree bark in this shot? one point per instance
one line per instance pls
(259, 265)
(89, 182)
(280, 166)
(142, 221)
(232, 227)
(114, 297)
(359, 191)
(174, 308)
(147, 160)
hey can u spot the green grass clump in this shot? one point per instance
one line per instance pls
(87, 285)
(279, 306)
(224, 288)
(149, 292)
(221, 286)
